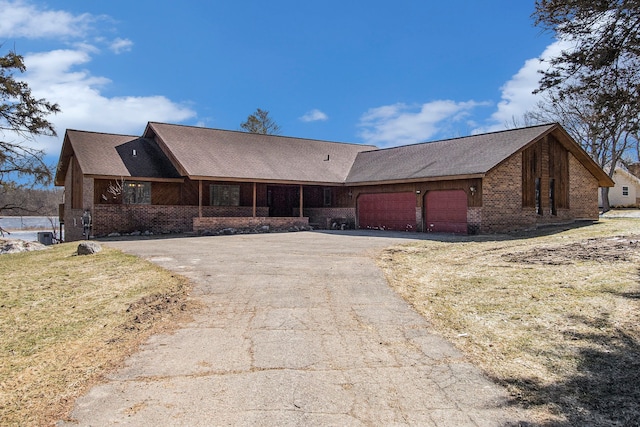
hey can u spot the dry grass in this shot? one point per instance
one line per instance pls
(553, 315)
(66, 320)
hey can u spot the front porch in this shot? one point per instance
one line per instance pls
(164, 219)
(209, 207)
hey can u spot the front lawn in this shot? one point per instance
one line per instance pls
(553, 315)
(66, 320)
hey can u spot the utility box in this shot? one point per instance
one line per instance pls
(45, 237)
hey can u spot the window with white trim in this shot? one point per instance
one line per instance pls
(625, 191)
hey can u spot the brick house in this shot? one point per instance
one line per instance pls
(178, 178)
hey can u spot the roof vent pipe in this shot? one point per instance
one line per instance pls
(135, 153)
(327, 159)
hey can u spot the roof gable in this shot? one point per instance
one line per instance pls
(468, 156)
(471, 156)
(101, 154)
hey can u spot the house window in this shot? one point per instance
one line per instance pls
(136, 193)
(552, 196)
(625, 191)
(327, 197)
(538, 197)
(225, 195)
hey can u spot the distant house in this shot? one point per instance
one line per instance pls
(177, 178)
(626, 191)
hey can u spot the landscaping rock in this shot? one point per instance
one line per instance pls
(89, 248)
(16, 246)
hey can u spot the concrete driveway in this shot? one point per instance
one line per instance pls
(297, 329)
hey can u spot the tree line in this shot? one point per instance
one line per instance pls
(22, 201)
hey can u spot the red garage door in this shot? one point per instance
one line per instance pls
(446, 211)
(387, 211)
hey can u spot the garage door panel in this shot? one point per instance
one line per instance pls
(387, 211)
(446, 211)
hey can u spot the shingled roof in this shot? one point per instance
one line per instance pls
(203, 153)
(471, 156)
(109, 155)
(167, 152)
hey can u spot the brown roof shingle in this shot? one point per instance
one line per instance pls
(102, 154)
(171, 151)
(472, 155)
(221, 154)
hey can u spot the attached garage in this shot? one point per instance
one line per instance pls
(446, 211)
(387, 211)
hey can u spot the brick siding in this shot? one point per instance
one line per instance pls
(158, 219)
(583, 195)
(129, 218)
(502, 199)
(233, 211)
(474, 220)
(502, 209)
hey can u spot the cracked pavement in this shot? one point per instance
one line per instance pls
(295, 329)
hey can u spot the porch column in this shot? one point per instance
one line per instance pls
(255, 198)
(200, 198)
(301, 202)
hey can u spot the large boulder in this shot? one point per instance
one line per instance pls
(89, 248)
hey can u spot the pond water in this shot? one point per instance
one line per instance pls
(27, 227)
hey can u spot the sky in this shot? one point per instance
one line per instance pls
(375, 72)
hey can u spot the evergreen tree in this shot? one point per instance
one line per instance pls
(260, 122)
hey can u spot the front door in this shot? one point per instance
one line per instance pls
(283, 200)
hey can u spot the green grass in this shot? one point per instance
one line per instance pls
(65, 320)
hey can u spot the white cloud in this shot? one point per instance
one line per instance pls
(121, 45)
(314, 115)
(23, 19)
(62, 76)
(517, 94)
(54, 76)
(400, 124)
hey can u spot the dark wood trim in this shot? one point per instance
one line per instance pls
(135, 178)
(255, 198)
(417, 180)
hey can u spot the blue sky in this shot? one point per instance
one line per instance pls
(376, 72)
